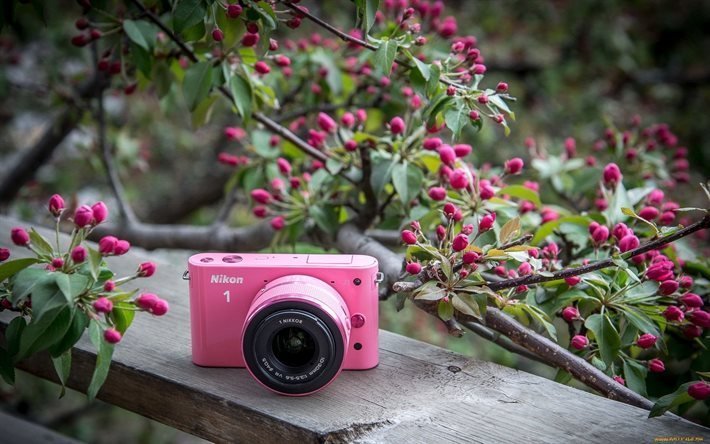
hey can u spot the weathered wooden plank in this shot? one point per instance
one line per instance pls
(19, 431)
(418, 393)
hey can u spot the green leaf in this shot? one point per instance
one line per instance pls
(640, 320)
(104, 353)
(203, 112)
(429, 292)
(43, 333)
(40, 243)
(95, 260)
(606, 336)
(122, 316)
(456, 118)
(13, 334)
(267, 15)
(466, 304)
(71, 285)
(197, 83)
(46, 296)
(407, 181)
(678, 397)
(366, 10)
(509, 231)
(7, 369)
(10, 268)
(635, 375)
(422, 67)
(233, 29)
(382, 167)
(188, 13)
(445, 310)
(62, 365)
(384, 56)
(325, 216)
(140, 32)
(142, 59)
(242, 94)
(521, 192)
(78, 324)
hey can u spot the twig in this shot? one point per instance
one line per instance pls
(349, 38)
(226, 209)
(105, 150)
(369, 210)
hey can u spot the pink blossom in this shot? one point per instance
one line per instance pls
(579, 342)
(437, 193)
(656, 365)
(397, 125)
(408, 237)
(514, 165)
(612, 174)
(112, 336)
(569, 314)
(459, 179)
(234, 133)
(278, 223)
(646, 340)
(122, 247)
(628, 243)
(103, 305)
(447, 154)
(462, 150)
(83, 216)
(107, 244)
(413, 267)
(19, 236)
(326, 123)
(56, 205)
(146, 269)
(486, 222)
(261, 196)
(460, 242)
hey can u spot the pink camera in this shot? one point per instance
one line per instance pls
(293, 320)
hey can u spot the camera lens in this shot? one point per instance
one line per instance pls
(293, 347)
(295, 335)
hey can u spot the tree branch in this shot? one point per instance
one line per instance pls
(189, 237)
(29, 161)
(105, 150)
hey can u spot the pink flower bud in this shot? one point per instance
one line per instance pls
(449, 210)
(601, 204)
(437, 193)
(569, 314)
(397, 125)
(261, 196)
(431, 143)
(4, 254)
(459, 179)
(122, 247)
(350, 145)
(278, 223)
(217, 35)
(462, 150)
(107, 245)
(691, 331)
(56, 205)
(103, 305)
(655, 197)
(570, 147)
(361, 115)
(524, 269)
(160, 307)
(413, 267)
(146, 269)
(83, 216)
(699, 390)
(440, 232)
(482, 99)
(112, 336)
(447, 154)
(646, 340)
(685, 281)
(234, 133)
(656, 365)
(548, 215)
(666, 218)
(460, 242)
(649, 213)
(620, 230)
(348, 120)
(408, 237)
(660, 271)
(628, 243)
(467, 229)
(619, 379)
(262, 67)
(284, 166)
(502, 87)
(146, 301)
(514, 165)
(486, 222)
(579, 342)
(100, 212)
(700, 318)
(250, 39)
(227, 159)
(234, 10)
(573, 280)
(19, 236)
(57, 262)
(673, 313)
(109, 286)
(326, 123)
(282, 60)
(668, 287)
(474, 115)
(469, 257)
(612, 175)
(692, 300)
(485, 190)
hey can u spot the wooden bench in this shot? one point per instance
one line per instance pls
(419, 393)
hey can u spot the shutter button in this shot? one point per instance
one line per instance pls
(357, 320)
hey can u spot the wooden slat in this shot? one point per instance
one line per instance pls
(16, 430)
(419, 393)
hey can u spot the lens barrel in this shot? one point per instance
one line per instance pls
(311, 359)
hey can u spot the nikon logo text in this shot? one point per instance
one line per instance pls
(224, 279)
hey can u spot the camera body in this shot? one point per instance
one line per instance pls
(293, 320)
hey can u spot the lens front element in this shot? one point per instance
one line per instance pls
(293, 347)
